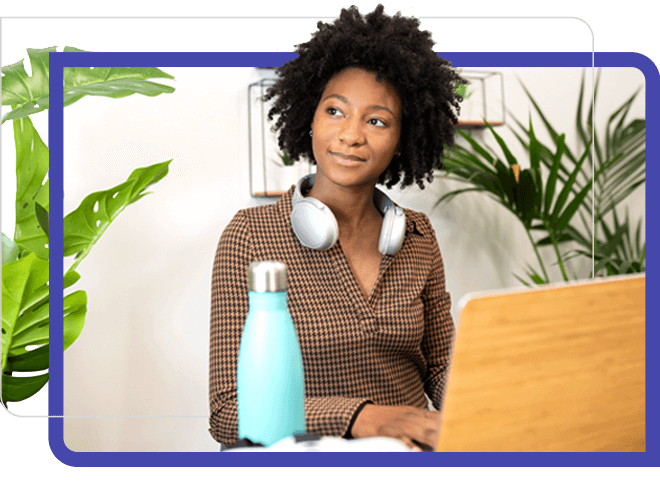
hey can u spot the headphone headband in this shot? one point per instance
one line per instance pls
(381, 200)
(315, 225)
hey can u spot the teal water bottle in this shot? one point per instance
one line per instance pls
(270, 382)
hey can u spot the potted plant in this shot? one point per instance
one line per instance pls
(25, 289)
(548, 209)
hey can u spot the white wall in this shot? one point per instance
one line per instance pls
(144, 348)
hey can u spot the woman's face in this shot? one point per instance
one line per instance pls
(356, 128)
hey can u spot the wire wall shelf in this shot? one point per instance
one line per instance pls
(271, 171)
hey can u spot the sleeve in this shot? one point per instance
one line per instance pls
(332, 415)
(438, 325)
(229, 308)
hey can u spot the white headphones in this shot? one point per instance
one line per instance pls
(315, 225)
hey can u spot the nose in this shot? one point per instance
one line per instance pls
(351, 132)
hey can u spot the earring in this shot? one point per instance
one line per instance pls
(398, 153)
(310, 132)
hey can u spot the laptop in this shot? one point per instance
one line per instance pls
(558, 367)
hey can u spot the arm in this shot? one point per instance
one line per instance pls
(439, 328)
(229, 308)
(332, 416)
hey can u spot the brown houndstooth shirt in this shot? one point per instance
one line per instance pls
(388, 350)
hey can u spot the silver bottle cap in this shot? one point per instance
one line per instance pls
(267, 276)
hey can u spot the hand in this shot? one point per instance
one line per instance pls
(414, 426)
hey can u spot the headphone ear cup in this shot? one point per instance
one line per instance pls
(314, 224)
(392, 231)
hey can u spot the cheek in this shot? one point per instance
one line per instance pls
(387, 144)
(318, 142)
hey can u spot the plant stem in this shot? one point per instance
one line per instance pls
(556, 247)
(79, 259)
(102, 230)
(538, 256)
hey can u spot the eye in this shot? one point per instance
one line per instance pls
(334, 112)
(377, 122)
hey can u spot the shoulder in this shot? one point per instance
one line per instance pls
(418, 222)
(260, 228)
(421, 238)
(244, 219)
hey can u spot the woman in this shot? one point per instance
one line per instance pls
(369, 102)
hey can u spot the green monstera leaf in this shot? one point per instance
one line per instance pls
(24, 287)
(25, 324)
(31, 170)
(87, 223)
(25, 290)
(27, 95)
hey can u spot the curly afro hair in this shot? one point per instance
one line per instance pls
(395, 49)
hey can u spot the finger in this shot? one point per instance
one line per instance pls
(425, 437)
(409, 443)
(423, 447)
(413, 428)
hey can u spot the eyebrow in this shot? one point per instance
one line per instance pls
(373, 106)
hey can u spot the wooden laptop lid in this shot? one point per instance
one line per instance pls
(554, 368)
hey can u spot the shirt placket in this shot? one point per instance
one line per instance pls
(365, 308)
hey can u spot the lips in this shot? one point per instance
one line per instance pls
(347, 160)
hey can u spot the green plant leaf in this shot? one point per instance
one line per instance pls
(553, 134)
(24, 283)
(576, 236)
(70, 278)
(548, 241)
(9, 250)
(28, 95)
(285, 159)
(20, 388)
(547, 158)
(42, 217)
(563, 195)
(19, 89)
(552, 178)
(450, 196)
(509, 157)
(526, 191)
(535, 277)
(612, 135)
(30, 327)
(14, 278)
(520, 279)
(30, 361)
(31, 330)
(578, 116)
(75, 309)
(507, 182)
(570, 210)
(612, 245)
(31, 170)
(477, 147)
(535, 164)
(87, 223)
(112, 82)
(464, 166)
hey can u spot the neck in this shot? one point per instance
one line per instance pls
(351, 206)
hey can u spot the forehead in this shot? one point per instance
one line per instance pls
(361, 86)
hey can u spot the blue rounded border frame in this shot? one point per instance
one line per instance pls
(59, 60)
